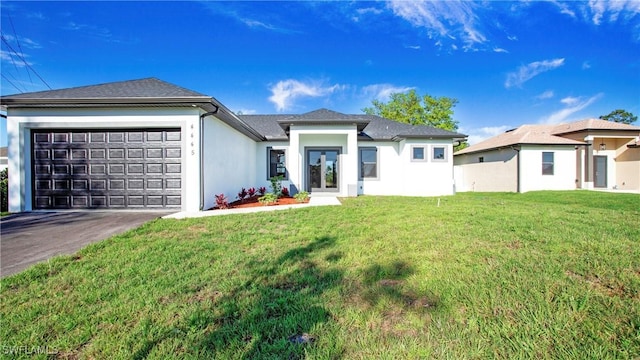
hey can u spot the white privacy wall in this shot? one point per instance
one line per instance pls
(564, 168)
(399, 175)
(497, 172)
(21, 121)
(229, 161)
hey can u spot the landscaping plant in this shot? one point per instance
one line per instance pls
(221, 201)
(302, 196)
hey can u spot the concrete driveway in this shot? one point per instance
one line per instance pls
(29, 238)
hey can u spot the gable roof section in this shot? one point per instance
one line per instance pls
(371, 127)
(142, 92)
(525, 134)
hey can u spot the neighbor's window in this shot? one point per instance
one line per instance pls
(368, 162)
(418, 153)
(276, 163)
(481, 159)
(547, 163)
(439, 153)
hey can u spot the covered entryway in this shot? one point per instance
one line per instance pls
(106, 169)
(323, 170)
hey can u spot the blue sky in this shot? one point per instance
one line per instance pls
(507, 63)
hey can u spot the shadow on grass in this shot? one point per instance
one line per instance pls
(386, 283)
(274, 313)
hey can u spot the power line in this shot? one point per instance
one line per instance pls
(10, 82)
(25, 62)
(18, 42)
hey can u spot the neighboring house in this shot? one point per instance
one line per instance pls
(587, 154)
(150, 144)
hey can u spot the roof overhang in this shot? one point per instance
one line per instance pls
(206, 103)
(428, 137)
(286, 124)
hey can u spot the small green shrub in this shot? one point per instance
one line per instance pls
(4, 190)
(268, 199)
(302, 196)
(276, 185)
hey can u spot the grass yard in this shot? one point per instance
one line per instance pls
(536, 275)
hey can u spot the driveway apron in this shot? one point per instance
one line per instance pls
(32, 237)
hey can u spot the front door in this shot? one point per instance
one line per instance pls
(322, 170)
(600, 171)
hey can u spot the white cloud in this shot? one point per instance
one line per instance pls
(499, 50)
(564, 8)
(15, 60)
(286, 91)
(570, 100)
(529, 71)
(443, 19)
(611, 11)
(369, 10)
(572, 106)
(477, 135)
(545, 95)
(383, 92)
(414, 47)
(23, 41)
(586, 65)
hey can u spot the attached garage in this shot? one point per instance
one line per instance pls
(106, 169)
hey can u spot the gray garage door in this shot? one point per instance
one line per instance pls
(106, 169)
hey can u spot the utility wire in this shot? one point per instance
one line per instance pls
(12, 84)
(19, 46)
(25, 61)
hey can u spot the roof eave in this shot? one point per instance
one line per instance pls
(511, 146)
(39, 102)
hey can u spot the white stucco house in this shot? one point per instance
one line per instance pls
(151, 144)
(586, 154)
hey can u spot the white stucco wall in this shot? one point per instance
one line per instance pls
(564, 175)
(229, 161)
(399, 175)
(498, 172)
(21, 121)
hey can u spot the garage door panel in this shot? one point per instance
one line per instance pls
(107, 169)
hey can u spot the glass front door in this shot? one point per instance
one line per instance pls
(600, 171)
(322, 169)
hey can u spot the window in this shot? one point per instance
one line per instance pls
(417, 153)
(368, 162)
(481, 159)
(277, 163)
(547, 163)
(439, 153)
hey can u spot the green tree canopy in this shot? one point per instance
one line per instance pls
(620, 116)
(411, 109)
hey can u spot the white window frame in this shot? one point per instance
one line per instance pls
(360, 163)
(286, 171)
(425, 152)
(444, 153)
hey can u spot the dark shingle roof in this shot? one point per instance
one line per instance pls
(266, 125)
(372, 127)
(131, 89)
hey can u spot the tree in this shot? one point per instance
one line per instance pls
(620, 116)
(411, 109)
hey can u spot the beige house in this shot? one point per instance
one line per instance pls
(587, 154)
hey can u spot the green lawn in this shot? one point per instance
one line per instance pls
(536, 275)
